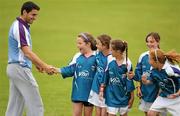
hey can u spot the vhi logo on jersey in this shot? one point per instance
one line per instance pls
(100, 69)
(84, 73)
(114, 80)
(93, 68)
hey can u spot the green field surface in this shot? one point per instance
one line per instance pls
(60, 21)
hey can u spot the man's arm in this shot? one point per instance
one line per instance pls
(42, 66)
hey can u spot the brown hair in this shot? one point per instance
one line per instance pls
(105, 40)
(29, 6)
(88, 38)
(120, 45)
(155, 35)
(159, 56)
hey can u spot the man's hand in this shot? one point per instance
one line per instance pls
(40, 69)
(50, 70)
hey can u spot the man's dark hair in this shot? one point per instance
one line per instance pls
(29, 6)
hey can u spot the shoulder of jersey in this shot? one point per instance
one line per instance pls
(110, 58)
(172, 70)
(142, 55)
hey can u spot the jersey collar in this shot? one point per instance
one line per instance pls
(23, 22)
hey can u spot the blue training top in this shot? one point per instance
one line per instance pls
(168, 79)
(150, 91)
(83, 69)
(118, 86)
(101, 61)
(19, 36)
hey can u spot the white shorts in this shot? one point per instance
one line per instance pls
(94, 99)
(162, 104)
(114, 111)
(144, 106)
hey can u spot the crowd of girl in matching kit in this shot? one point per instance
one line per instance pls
(103, 77)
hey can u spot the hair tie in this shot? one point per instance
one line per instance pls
(84, 36)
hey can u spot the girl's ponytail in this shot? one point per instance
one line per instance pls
(160, 56)
(172, 56)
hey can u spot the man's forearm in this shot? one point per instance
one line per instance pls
(33, 57)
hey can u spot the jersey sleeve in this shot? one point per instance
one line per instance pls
(69, 70)
(130, 85)
(21, 35)
(176, 73)
(179, 83)
(138, 71)
(173, 70)
(106, 74)
(100, 72)
(129, 66)
(129, 82)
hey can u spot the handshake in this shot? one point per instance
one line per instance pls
(49, 69)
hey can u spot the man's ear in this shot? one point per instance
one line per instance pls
(24, 12)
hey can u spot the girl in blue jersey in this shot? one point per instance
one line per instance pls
(166, 74)
(147, 93)
(119, 89)
(82, 68)
(103, 45)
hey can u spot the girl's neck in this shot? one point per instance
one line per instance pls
(119, 59)
(88, 53)
(160, 66)
(106, 52)
(153, 48)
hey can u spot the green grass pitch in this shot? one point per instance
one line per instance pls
(60, 21)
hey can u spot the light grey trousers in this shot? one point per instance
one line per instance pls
(23, 92)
